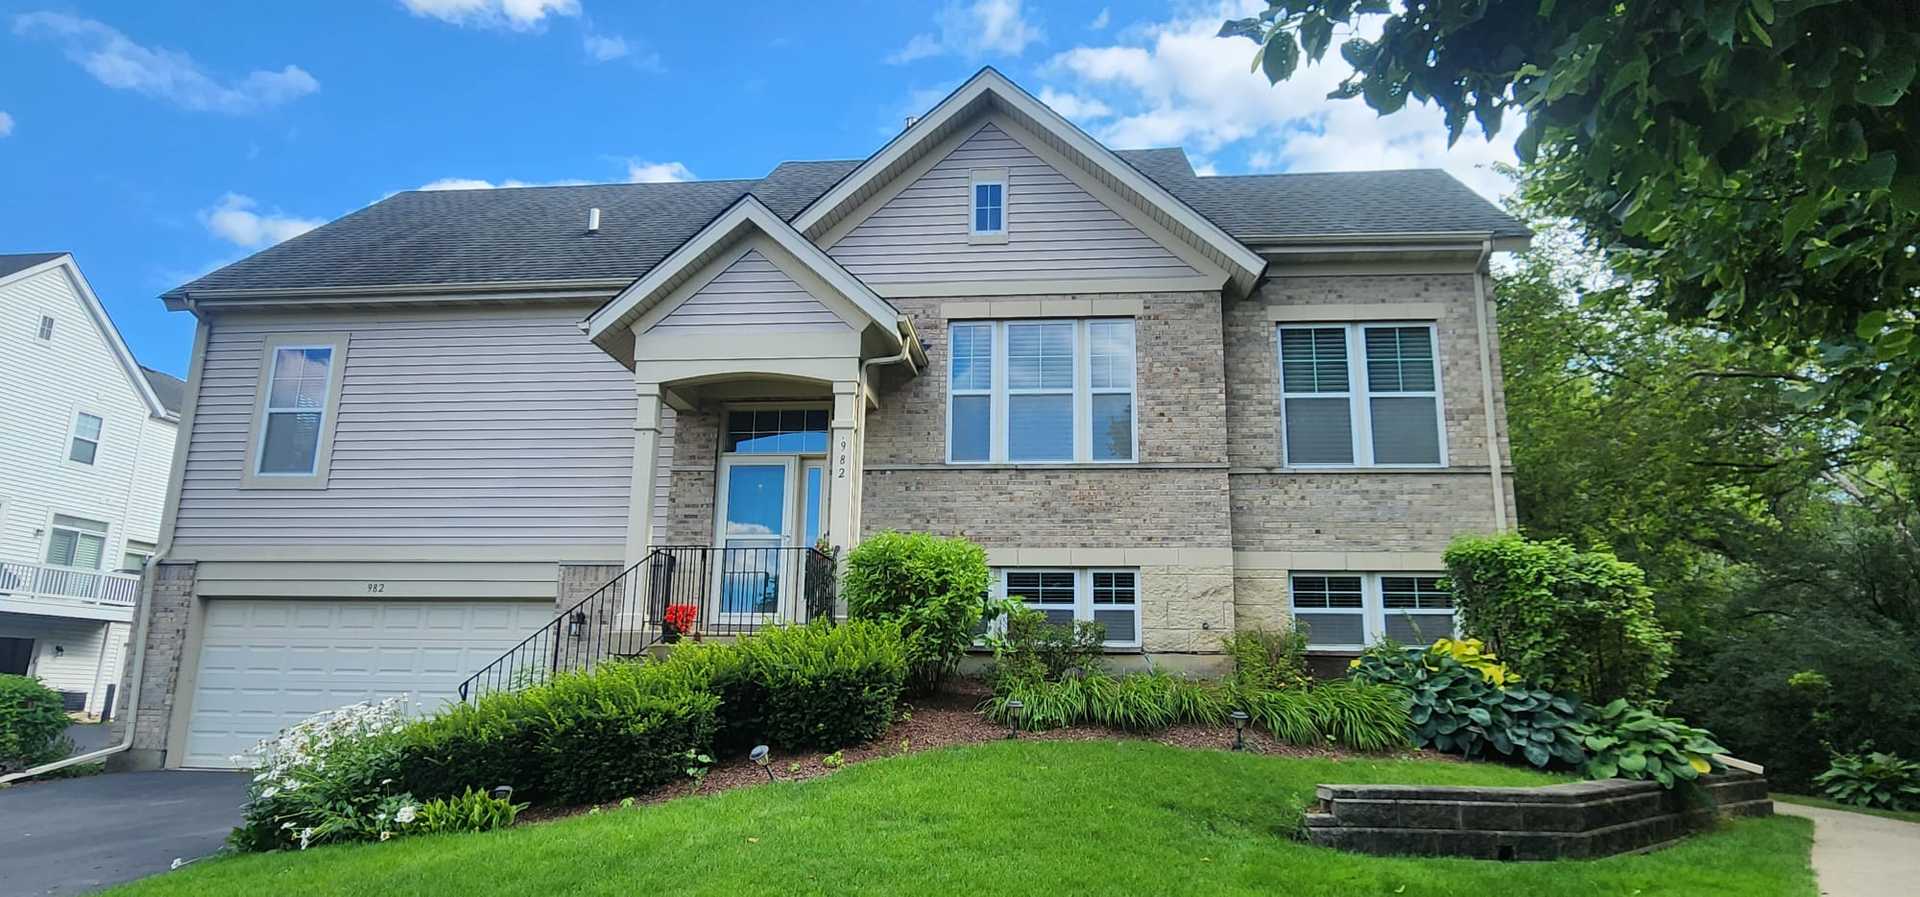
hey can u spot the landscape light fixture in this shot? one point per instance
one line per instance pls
(761, 758)
(1013, 717)
(502, 792)
(1239, 718)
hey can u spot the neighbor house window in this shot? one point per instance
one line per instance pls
(135, 556)
(84, 447)
(1105, 596)
(299, 398)
(76, 542)
(989, 203)
(46, 327)
(1360, 395)
(1348, 611)
(1041, 391)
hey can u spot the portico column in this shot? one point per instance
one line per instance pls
(844, 466)
(646, 443)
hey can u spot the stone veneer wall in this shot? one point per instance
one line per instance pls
(1353, 519)
(167, 628)
(1166, 514)
(696, 459)
(1581, 820)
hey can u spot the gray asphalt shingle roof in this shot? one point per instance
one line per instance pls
(170, 390)
(539, 233)
(21, 261)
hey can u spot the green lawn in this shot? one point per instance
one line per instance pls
(1822, 802)
(1017, 817)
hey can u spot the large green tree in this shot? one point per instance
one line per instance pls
(1751, 165)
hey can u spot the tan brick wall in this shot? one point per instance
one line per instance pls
(696, 455)
(171, 612)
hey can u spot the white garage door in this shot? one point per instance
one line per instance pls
(268, 663)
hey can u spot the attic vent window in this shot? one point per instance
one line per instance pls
(46, 327)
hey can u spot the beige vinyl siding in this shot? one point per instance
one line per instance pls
(753, 292)
(1055, 229)
(454, 428)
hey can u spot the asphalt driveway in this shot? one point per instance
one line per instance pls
(79, 835)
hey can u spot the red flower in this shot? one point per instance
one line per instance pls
(681, 616)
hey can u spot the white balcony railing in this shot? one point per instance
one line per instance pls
(18, 580)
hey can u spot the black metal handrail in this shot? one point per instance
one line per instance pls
(676, 591)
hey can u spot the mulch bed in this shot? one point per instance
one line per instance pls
(947, 719)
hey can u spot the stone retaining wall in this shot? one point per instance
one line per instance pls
(1581, 820)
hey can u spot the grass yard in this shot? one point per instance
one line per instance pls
(1823, 803)
(1014, 817)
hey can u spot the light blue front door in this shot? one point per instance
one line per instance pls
(756, 526)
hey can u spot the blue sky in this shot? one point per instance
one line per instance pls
(159, 141)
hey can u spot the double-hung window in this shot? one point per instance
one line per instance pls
(1348, 611)
(1047, 390)
(1110, 597)
(299, 397)
(1360, 395)
(84, 447)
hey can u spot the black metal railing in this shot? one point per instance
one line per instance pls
(677, 591)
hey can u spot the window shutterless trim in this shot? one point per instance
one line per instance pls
(73, 436)
(1372, 611)
(975, 179)
(330, 414)
(1083, 606)
(1359, 396)
(1000, 391)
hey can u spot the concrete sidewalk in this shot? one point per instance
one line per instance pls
(1857, 855)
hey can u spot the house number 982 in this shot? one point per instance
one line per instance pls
(376, 587)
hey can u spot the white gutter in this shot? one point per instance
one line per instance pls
(132, 716)
(1486, 382)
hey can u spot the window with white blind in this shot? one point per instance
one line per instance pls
(1109, 597)
(1360, 395)
(84, 445)
(1348, 611)
(1041, 391)
(76, 542)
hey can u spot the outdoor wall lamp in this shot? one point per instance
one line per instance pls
(1013, 717)
(576, 624)
(760, 757)
(1239, 718)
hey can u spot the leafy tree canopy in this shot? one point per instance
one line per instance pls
(1752, 165)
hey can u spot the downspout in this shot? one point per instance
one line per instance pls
(1486, 383)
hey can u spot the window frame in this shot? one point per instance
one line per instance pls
(1083, 605)
(250, 475)
(1372, 610)
(45, 329)
(1000, 391)
(74, 437)
(977, 178)
(1359, 395)
(104, 533)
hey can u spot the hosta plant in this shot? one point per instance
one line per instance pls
(1879, 780)
(1460, 709)
(1629, 741)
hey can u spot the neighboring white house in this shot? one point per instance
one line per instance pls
(86, 443)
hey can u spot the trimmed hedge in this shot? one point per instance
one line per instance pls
(801, 687)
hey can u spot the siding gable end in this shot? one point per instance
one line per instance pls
(752, 292)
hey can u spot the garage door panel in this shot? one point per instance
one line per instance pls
(268, 663)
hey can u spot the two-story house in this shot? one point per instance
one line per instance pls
(1176, 404)
(86, 438)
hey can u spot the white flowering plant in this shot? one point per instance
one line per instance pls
(332, 777)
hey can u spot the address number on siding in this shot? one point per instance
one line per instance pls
(376, 587)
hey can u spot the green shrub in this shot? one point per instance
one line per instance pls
(1630, 742)
(1360, 716)
(1877, 780)
(1458, 709)
(934, 587)
(1046, 705)
(1579, 622)
(1266, 659)
(472, 811)
(824, 686)
(32, 724)
(614, 731)
(1136, 702)
(1033, 649)
(333, 777)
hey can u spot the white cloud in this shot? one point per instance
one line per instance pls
(235, 220)
(116, 61)
(480, 184)
(518, 15)
(1075, 106)
(6, 124)
(1175, 83)
(1100, 21)
(973, 30)
(641, 172)
(606, 47)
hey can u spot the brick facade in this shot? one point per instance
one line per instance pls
(168, 624)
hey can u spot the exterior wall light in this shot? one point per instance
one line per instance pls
(1239, 718)
(1013, 717)
(761, 758)
(576, 624)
